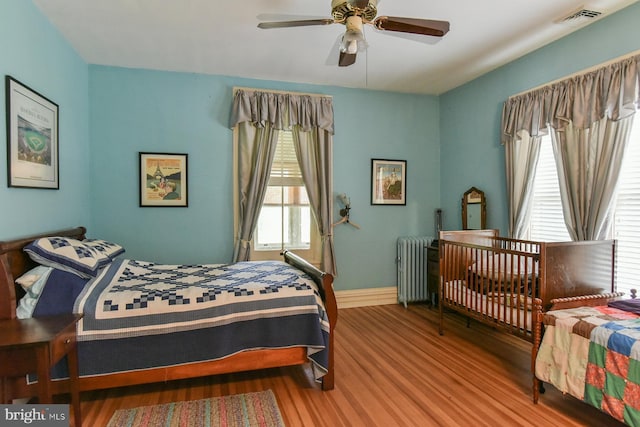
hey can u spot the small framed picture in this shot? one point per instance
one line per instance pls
(32, 138)
(163, 180)
(388, 182)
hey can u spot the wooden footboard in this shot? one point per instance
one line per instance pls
(14, 262)
(325, 284)
(585, 300)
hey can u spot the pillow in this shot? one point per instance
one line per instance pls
(33, 280)
(26, 305)
(54, 293)
(109, 249)
(67, 254)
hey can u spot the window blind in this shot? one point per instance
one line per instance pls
(626, 219)
(547, 223)
(547, 219)
(285, 171)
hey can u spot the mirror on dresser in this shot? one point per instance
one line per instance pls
(474, 210)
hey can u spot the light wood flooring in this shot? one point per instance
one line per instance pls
(392, 369)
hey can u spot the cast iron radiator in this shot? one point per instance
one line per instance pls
(412, 268)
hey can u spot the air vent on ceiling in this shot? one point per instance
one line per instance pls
(580, 16)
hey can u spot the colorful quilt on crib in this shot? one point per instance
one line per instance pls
(613, 370)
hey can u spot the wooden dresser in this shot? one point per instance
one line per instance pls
(433, 272)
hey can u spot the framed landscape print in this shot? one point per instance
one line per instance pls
(32, 138)
(163, 180)
(388, 182)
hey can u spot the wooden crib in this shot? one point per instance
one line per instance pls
(508, 283)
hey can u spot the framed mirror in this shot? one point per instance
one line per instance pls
(474, 210)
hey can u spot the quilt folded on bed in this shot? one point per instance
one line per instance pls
(140, 315)
(613, 371)
(630, 305)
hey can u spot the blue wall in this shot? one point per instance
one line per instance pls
(108, 115)
(141, 110)
(35, 54)
(471, 153)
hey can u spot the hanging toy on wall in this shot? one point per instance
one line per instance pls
(344, 212)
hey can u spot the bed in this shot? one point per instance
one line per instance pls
(234, 327)
(509, 283)
(590, 350)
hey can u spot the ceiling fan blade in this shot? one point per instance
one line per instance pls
(426, 27)
(346, 59)
(301, 23)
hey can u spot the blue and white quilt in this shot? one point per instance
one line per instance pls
(139, 314)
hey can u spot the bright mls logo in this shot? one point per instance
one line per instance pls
(34, 415)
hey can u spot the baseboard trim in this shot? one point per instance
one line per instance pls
(367, 297)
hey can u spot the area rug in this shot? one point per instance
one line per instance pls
(239, 410)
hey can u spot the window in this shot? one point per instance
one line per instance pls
(285, 220)
(626, 223)
(547, 223)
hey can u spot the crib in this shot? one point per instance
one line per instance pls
(508, 283)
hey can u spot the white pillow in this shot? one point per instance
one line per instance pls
(33, 280)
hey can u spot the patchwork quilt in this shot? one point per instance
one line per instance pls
(593, 354)
(613, 371)
(140, 314)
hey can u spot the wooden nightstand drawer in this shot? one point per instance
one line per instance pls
(63, 343)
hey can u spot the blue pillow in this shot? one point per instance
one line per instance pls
(109, 249)
(67, 254)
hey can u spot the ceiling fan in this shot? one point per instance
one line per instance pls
(354, 14)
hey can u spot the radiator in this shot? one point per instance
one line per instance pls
(412, 268)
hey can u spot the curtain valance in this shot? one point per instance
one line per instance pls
(282, 110)
(612, 91)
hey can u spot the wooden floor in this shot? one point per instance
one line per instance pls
(392, 369)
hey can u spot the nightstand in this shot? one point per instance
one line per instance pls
(34, 346)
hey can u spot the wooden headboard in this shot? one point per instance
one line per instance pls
(14, 262)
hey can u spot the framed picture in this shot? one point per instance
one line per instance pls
(163, 180)
(32, 138)
(388, 182)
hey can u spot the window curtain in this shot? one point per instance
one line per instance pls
(521, 156)
(314, 153)
(311, 120)
(256, 149)
(588, 163)
(588, 116)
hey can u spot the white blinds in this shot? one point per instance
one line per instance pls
(547, 220)
(627, 214)
(285, 171)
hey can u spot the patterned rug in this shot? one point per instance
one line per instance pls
(240, 410)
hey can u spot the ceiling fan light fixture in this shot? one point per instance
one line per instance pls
(353, 38)
(354, 28)
(349, 46)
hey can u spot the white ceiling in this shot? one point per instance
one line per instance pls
(221, 37)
